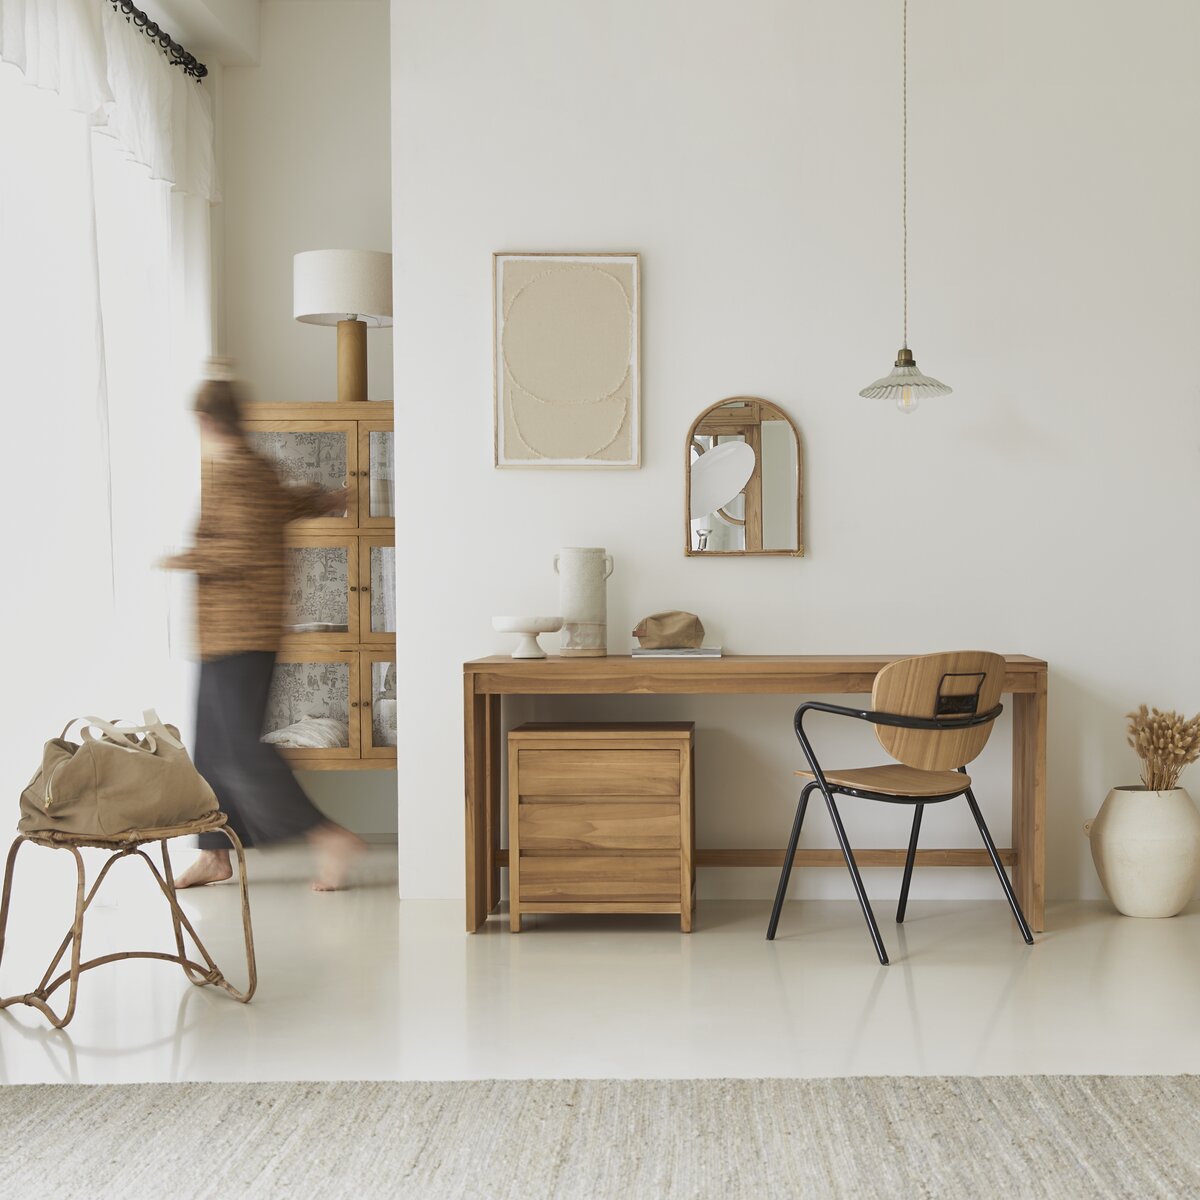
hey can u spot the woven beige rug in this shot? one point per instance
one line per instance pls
(1019, 1136)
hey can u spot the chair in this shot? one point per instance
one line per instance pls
(123, 846)
(933, 714)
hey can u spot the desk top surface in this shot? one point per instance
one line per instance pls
(799, 674)
(750, 663)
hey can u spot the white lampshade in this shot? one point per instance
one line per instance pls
(329, 286)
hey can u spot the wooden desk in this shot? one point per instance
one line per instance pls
(487, 680)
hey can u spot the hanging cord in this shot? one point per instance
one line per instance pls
(904, 162)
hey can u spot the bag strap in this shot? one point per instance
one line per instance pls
(154, 725)
(109, 728)
(120, 734)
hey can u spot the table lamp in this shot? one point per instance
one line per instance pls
(350, 289)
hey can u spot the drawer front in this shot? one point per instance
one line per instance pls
(600, 877)
(588, 825)
(598, 772)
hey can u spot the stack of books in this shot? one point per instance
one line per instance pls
(697, 652)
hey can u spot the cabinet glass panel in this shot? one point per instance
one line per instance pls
(381, 500)
(318, 590)
(307, 456)
(383, 589)
(309, 706)
(383, 704)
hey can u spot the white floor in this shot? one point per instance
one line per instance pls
(357, 985)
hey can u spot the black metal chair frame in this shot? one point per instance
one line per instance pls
(828, 790)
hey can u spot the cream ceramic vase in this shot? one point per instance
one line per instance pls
(583, 573)
(1146, 847)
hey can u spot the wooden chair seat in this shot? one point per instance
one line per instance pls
(895, 779)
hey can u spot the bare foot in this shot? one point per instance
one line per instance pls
(337, 849)
(211, 867)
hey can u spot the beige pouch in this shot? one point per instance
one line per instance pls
(121, 778)
(670, 631)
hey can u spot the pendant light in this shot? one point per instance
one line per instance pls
(906, 385)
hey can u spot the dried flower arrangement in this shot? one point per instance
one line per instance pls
(1166, 743)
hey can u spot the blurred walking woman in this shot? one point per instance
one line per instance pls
(239, 561)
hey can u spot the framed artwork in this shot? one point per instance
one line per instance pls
(567, 360)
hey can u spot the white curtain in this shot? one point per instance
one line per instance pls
(106, 179)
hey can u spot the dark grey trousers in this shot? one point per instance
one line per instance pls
(254, 784)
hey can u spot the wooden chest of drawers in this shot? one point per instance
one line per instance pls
(601, 820)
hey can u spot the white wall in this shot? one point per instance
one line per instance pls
(750, 152)
(304, 144)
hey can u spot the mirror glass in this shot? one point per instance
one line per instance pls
(743, 491)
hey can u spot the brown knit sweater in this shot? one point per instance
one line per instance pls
(239, 552)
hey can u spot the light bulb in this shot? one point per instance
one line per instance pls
(906, 402)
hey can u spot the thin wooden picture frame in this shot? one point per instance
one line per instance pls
(515, 448)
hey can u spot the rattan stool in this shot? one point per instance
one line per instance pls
(121, 847)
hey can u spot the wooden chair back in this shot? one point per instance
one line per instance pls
(958, 685)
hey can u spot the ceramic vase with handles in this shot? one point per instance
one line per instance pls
(1146, 847)
(583, 572)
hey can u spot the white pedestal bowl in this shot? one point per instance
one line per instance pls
(528, 628)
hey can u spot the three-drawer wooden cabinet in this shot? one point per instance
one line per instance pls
(601, 820)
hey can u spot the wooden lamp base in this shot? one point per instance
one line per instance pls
(352, 361)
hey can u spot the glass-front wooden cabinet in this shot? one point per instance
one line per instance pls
(335, 680)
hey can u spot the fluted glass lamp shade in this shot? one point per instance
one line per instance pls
(350, 289)
(906, 385)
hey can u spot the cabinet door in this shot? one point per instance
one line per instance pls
(377, 672)
(377, 589)
(320, 452)
(313, 707)
(321, 602)
(376, 475)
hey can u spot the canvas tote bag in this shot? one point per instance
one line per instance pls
(119, 778)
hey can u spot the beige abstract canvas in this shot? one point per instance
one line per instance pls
(567, 360)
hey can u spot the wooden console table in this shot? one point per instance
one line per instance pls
(487, 680)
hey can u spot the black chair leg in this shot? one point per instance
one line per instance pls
(785, 874)
(991, 849)
(908, 864)
(856, 878)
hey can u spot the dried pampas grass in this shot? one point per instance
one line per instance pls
(1166, 743)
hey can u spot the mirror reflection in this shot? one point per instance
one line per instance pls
(744, 480)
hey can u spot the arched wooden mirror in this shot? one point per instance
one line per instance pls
(743, 489)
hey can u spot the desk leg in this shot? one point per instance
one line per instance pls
(1029, 802)
(492, 773)
(476, 813)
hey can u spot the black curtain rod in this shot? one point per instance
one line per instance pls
(188, 63)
